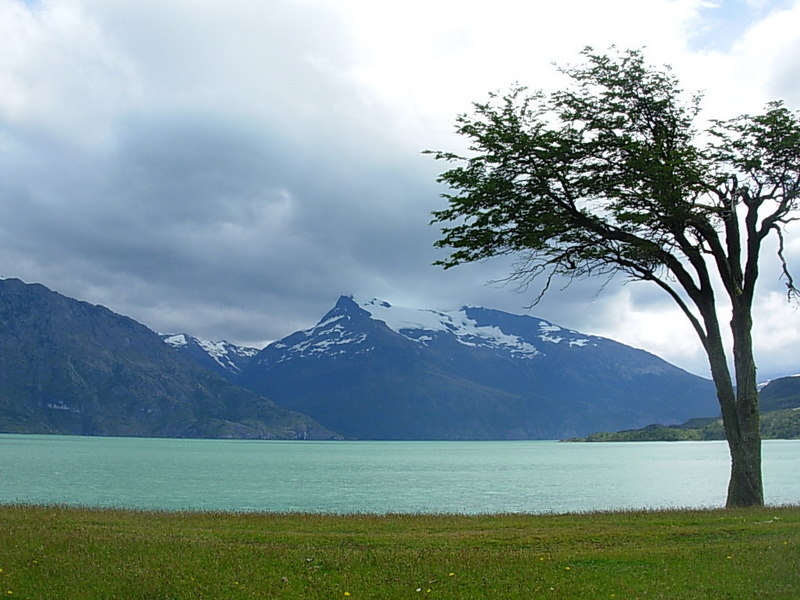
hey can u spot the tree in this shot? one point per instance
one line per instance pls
(610, 175)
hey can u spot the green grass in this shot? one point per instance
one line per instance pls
(54, 552)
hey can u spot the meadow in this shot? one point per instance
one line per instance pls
(49, 552)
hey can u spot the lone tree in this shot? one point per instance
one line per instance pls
(609, 175)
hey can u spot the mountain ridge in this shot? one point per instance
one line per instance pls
(366, 370)
(71, 367)
(371, 370)
(222, 357)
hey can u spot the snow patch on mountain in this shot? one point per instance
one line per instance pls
(221, 350)
(580, 342)
(228, 356)
(176, 341)
(329, 337)
(760, 386)
(334, 343)
(409, 321)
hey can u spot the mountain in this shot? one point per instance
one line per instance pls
(783, 392)
(70, 367)
(779, 403)
(371, 370)
(223, 358)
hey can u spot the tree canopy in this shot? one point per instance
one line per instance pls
(612, 175)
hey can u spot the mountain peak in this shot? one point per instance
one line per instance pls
(223, 357)
(371, 369)
(345, 306)
(520, 335)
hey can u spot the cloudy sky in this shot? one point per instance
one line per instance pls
(228, 168)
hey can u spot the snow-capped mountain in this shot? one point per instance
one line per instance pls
(372, 370)
(332, 336)
(224, 358)
(422, 325)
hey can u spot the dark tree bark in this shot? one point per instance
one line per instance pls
(741, 420)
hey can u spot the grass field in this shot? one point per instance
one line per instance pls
(54, 553)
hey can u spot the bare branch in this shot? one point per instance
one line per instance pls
(792, 293)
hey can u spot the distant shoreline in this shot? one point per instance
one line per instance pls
(775, 425)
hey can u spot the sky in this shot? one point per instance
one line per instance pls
(229, 168)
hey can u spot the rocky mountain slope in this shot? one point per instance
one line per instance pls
(70, 367)
(780, 393)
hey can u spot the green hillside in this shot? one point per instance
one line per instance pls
(780, 419)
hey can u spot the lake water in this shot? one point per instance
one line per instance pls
(378, 477)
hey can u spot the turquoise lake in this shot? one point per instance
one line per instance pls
(379, 477)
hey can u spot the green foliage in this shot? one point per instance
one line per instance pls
(780, 420)
(775, 425)
(661, 433)
(610, 175)
(49, 552)
(781, 424)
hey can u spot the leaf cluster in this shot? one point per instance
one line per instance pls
(608, 175)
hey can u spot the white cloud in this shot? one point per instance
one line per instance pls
(432, 59)
(60, 73)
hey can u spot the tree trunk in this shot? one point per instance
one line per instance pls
(739, 410)
(743, 427)
(745, 487)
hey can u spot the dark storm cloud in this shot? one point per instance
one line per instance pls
(198, 192)
(206, 210)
